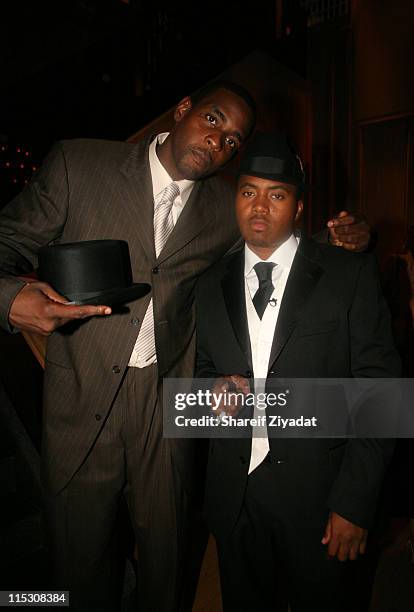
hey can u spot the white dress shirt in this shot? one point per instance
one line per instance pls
(160, 180)
(261, 331)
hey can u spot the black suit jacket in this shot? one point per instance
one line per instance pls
(333, 322)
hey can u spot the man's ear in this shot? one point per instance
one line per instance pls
(299, 210)
(182, 108)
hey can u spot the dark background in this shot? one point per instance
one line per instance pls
(91, 68)
(343, 71)
(105, 69)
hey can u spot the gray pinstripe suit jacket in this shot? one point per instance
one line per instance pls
(86, 190)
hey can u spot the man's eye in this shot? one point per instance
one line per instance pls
(278, 196)
(231, 142)
(247, 194)
(211, 119)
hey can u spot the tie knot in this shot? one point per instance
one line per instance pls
(264, 270)
(169, 194)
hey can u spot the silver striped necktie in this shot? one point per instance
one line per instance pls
(163, 219)
(163, 226)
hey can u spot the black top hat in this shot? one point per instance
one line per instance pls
(91, 272)
(272, 156)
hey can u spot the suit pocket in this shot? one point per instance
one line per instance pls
(317, 327)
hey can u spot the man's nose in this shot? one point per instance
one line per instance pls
(215, 141)
(260, 203)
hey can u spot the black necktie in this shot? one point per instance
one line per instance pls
(264, 293)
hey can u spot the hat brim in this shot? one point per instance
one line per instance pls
(271, 177)
(114, 297)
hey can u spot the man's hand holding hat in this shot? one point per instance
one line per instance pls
(39, 309)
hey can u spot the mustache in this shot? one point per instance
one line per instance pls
(257, 217)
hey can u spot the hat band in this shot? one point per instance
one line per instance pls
(86, 295)
(269, 165)
(273, 166)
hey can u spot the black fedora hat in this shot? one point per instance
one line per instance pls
(272, 156)
(91, 272)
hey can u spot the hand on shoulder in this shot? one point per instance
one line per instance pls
(350, 231)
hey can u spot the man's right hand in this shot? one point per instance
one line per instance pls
(40, 309)
(227, 387)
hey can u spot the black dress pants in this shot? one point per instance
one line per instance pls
(274, 557)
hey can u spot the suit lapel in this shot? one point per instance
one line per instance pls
(137, 190)
(303, 278)
(136, 196)
(235, 300)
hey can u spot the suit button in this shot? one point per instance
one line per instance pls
(272, 373)
(134, 321)
(155, 270)
(116, 369)
(98, 417)
(242, 460)
(249, 373)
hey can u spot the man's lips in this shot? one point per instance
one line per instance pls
(201, 157)
(258, 223)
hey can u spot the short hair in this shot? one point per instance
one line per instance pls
(231, 86)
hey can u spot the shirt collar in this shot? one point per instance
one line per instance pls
(283, 256)
(160, 177)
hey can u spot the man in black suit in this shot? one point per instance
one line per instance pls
(287, 512)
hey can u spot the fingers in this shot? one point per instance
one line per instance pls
(51, 293)
(40, 309)
(71, 312)
(345, 540)
(235, 382)
(343, 218)
(54, 315)
(241, 383)
(222, 384)
(345, 550)
(328, 532)
(349, 231)
(227, 388)
(338, 548)
(354, 550)
(353, 247)
(333, 547)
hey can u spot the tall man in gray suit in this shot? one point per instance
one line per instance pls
(102, 411)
